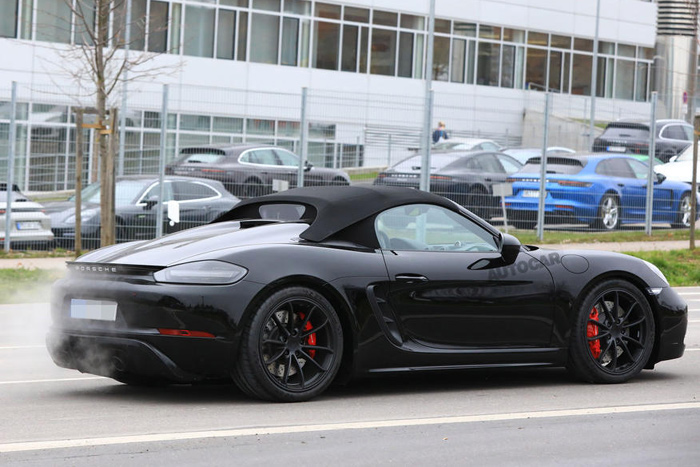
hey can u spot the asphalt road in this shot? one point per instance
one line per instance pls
(56, 417)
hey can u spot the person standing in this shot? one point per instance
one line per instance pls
(440, 133)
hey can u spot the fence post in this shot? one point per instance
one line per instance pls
(125, 74)
(388, 154)
(303, 149)
(11, 167)
(425, 160)
(543, 170)
(651, 176)
(78, 240)
(161, 162)
(694, 182)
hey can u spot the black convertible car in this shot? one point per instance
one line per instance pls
(289, 292)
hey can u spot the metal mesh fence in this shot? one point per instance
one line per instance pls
(218, 145)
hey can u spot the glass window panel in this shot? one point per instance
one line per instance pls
(240, 3)
(138, 25)
(199, 31)
(84, 22)
(412, 22)
(383, 59)
(226, 35)
(305, 41)
(290, 41)
(441, 58)
(326, 41)
(321, 130)
(151, 119)
(187, 139)
(264, 38)
(562, 42)
(53, 21)
(350, 36)
(464, 29)
(158, 27)
(418, 57)
(536, 68)
(175, 28)
(299, 7)
(585, 45)
(624, 50)
(27, 19)
(459, 47)
(642, 74)
(326, 10)
(385, 18)
(288, 128)
(581, 75)
(538, 38)
(489, 32)
(606, 47)
(555, 64)
(260, 127)
(49, 113)
(269, 5)
(471, 62)
(488, 66)
(242, 35)
(600, 79)
(227, 125)
(195, 122)
(513, 35)
(624, 80)
(443, 26)
(508, 66)
(646, 53)
(405, 54)
(607, 79)
(565, 73)
(364, 47)
(360, 15)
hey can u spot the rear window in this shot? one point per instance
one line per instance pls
(200, 155)
(283, 212)
(412, 164)
(555, 165)
(626, 132)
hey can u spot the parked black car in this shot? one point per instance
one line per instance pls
(137, 202)
(632, 137)
(249, 170)
(464, 177)
(285, 307)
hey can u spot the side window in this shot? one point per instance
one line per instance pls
(510, 165)
(673, 132)
(425, 227)
(639, 168)
(154, 192)
(473, 164)
(490, 163)
(287, 159)
(688, 132)
(188, 191)
(615, 168)
(489, 147)
(260, 156)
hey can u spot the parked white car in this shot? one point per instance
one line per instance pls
(30, 225)
(681, 169)
(466, 144)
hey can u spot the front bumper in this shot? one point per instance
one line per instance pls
(671, 326)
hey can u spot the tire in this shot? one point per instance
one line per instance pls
(253, 188)
(608, 213)
(291, 347)
(339, 181)
(613, 334)
(682, 220)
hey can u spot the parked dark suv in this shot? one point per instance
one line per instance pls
(632, 137)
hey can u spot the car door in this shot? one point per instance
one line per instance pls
(290, 163)
(631, 189)
(194, 202)
(663, 196)
(449, 285)
(140, 218)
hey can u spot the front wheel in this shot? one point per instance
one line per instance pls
(291, 347)
(683, 220)
(613, 334)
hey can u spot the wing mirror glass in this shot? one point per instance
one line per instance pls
(307, 166)
(150, 202)
(660, 177)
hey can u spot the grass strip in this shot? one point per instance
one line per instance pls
(681, 267)
(23, 285)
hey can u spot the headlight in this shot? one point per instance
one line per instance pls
(656, 271)
(201, 272)
(84, 216)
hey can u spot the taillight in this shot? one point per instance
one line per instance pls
(2, 211)
(184, 333)
(640, 148)
(381, 175)
(440, 177)
(574, 183)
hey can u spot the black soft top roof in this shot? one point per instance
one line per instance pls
(337, 207)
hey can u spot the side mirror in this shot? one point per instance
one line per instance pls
(307, 166)
(660, 177)
(150, 202)
(510, 248)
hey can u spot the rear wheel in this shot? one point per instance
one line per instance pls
(339, 181)
(613, 335)
(683, 215)
(291, 348)
(253, 189)
(608, 213)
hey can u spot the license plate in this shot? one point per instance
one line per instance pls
(28, 225)
(617, 149)
(531, 193)
(93, 309)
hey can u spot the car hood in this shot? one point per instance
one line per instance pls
(679, 171)
(206, 242)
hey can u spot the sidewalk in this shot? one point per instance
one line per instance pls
(60, 263)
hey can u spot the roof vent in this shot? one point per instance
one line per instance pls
(677, 18)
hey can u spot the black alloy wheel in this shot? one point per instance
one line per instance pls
(613, 335)
(291, 348)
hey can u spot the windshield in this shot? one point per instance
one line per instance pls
(686, 155)
(202, 158)
(125, 192)
(631, 132)
(412, 164)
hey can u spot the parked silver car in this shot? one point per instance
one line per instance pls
(30, 225)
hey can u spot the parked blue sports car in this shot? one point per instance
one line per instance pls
(601, 190)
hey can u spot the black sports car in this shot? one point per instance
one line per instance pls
(249, 170)
(464, 177)
(289, 292)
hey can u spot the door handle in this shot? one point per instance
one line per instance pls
(620, 184)
(487, 179)
(411, 278)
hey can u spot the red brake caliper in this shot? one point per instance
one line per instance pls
(592, 331)
(311, 340)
